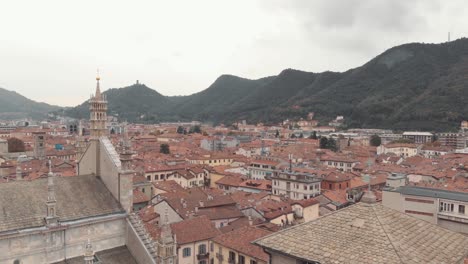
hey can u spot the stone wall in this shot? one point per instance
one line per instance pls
(109, 170)
(87, 163)
(67, 241)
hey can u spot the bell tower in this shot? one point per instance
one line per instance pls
(98, 112)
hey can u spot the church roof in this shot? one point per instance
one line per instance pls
(118, 255)
(368, 233)
(23, 203)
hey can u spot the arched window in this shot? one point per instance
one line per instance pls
(17, 261)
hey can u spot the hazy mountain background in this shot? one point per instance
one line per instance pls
(412, 86)
(16, 106)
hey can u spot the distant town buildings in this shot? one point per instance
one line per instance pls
(104, 191)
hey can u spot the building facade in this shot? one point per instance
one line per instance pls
(296, 186)
(447, 209)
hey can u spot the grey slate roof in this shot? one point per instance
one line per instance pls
(23, 203)
(118, 255)
(431, 192)
(368, 233)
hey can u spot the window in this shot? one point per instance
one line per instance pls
(305, 187)
(143, 190)
(202, 249)
(232, 255)
(329, 186)
(446, 207)
(202, 262)
(340, 185)
(241, 259)
(253, 262)
(148, 178)
(461, 209)
(186, 252)
(212, 247)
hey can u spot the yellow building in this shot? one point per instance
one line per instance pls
(211, 160)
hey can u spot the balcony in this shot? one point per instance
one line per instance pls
(201, 256)
(456, 217)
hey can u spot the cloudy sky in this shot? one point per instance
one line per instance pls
(49, 50)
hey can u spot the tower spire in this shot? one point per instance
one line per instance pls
(98, 89)
(166, 233)
(98, 112)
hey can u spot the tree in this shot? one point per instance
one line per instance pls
(331, 144)
(313, 135)
(15, 145)
(375, 140)
(195, 129)
(323, 143)
(180, 130)
(164, 148)
(328, 143)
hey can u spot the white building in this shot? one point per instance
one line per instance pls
(418, 137)
(296, 186)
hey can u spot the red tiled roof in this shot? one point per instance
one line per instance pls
(240, 241)
(192, 230)
(139, 197)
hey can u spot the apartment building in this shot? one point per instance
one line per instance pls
(296, 186)
(341, 163)
(261, 169)
(419, 137)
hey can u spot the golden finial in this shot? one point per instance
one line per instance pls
(97, 75)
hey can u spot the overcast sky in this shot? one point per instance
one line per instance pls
(49, 50)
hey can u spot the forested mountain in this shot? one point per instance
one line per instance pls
(412, 86)
(14, 106)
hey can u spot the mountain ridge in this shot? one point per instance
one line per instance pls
(15, 106)
(412, 86)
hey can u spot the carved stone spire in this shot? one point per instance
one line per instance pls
(127, 153)
(89, 253)
(166, 232)
(19, 172)
(51, 218)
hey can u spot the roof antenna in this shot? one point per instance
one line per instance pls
(449, 36)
